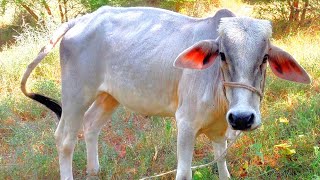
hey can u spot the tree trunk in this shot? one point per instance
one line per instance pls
(296, 10)
(30, 11)
(291, 11)
(61, 12)
(178, 6)
(46, 6)
(154, 3)
(65, 10)
(303, 14)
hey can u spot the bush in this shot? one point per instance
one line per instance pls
(286, 17)
(166, 4)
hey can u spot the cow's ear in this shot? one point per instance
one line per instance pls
(199, 56)
(286, 67)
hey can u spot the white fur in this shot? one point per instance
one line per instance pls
(239, 27)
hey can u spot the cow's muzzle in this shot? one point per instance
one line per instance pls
(240, 120)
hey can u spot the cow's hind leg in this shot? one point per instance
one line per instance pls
(66, 133)
(97, 115)
(66, 137)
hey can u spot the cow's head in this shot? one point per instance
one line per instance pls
(242, 51)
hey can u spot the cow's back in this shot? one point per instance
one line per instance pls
(129, 53)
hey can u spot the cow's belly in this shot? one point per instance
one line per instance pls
(147, 105)
(143, 101)
(145, 92)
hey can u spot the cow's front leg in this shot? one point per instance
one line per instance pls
(185, 146)
(219, 150)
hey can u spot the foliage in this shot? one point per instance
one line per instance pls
(167, 4)
(288, 15)
(44, 10)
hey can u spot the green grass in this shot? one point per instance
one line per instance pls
(132, 146)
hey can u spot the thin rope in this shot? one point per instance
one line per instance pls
(199, 166)
(241, 85)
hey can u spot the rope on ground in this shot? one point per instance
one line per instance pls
(199, 166)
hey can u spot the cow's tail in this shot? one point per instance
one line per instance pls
(48, 102)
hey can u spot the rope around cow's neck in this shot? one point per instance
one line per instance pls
(199, 166)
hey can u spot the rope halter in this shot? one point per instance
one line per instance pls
(242, 85)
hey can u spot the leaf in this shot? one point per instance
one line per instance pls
(197, 175)
(301, 136)
(168, 126)
(245, 166)
(268, 168)
(283, 145)
(283, 120)
(286, 149)
(289, 152)
(316, 150)
(256, 147)
(244, 169)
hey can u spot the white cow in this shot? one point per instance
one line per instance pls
(127, 56)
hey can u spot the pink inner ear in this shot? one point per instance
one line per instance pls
(199, 56)
(285, 67)
(196, 55)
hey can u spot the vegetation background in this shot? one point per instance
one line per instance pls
(287, 146)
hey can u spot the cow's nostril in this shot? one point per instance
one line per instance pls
(251, 120)
(231, 119)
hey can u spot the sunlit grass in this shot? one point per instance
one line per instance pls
(7, 18)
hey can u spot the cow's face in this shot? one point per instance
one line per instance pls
(243, 49)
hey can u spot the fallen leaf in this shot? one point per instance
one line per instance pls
(197, 175)
(283, 120)
(301, 136)
(316, 150)
(245, 166)
(286, 149)
(283, 145)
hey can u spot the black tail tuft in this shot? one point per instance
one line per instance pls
(48, 102)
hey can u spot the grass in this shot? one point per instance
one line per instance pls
(132, 146)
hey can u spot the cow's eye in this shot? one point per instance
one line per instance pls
(222, 56)
(265, 58)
